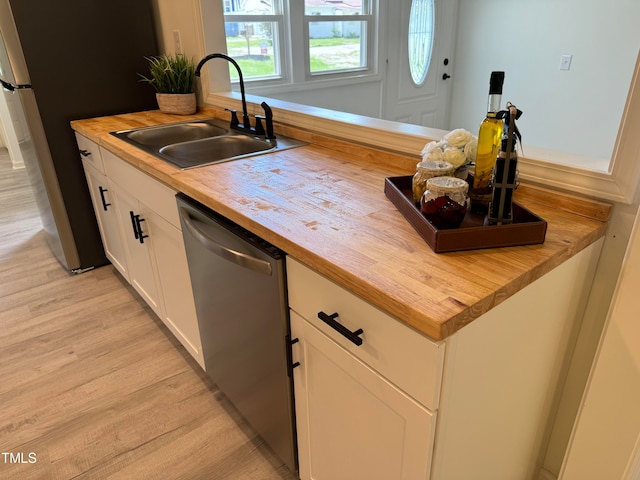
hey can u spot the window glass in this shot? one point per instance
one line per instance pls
(420, 41)
(327, 7)
(336, 46)
(251, 7)
(251, 44)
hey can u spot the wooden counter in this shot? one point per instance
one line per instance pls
(324, 204)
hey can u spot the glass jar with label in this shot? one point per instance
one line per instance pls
(445, 201)
(427, 170)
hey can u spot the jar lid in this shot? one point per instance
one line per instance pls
(442, 185)
(435, 165)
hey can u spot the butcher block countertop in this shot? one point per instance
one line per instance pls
(324, 204)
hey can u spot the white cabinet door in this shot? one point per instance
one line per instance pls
(104, 207)
(175, 283)
(133, 222)
(351, 422)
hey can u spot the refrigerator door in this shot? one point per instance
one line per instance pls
(24, 116)
(43, 178)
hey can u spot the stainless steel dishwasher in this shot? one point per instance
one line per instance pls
(239, 288)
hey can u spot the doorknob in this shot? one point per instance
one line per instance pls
(445, 76)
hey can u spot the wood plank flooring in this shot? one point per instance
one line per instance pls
(92, 385)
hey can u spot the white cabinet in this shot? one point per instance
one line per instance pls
(351, 421)
(107, 217)
(362, 411)
(370, 411)
(140, 228)
(139, 244)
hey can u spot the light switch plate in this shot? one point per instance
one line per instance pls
(565, 62)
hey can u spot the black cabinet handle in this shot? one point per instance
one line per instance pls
(134, 224)
(445, 76)
(85, 153)
(137, 228)
(141, 235)
(104, 201)
(290, 363)
(331, 321)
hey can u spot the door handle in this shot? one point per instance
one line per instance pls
(445, 76)
(222, 251)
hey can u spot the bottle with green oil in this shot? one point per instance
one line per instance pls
(489, 137)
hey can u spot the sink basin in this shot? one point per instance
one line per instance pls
(176, 133)
(211, 150)
(204, 142)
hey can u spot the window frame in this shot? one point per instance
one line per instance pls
(294, 44)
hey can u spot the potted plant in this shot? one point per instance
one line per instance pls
(173, 78)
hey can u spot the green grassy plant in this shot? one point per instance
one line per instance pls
(171, 73)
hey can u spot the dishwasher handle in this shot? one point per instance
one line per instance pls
(241, 259)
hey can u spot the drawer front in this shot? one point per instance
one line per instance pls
(406, 358)
(149, 191)
(90, 152)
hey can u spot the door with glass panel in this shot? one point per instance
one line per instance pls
(421, 41)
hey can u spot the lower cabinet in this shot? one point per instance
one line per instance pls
(366, 387)
(140, 228)
(369, 390)
(351, 421)
(108, 223)
(139, 242)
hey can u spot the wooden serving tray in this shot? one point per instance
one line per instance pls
(527, 228)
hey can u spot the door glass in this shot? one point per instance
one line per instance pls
(420, 40)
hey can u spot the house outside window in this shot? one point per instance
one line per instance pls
(289, 41)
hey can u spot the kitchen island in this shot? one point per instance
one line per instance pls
(489, 342)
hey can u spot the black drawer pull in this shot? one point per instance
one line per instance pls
(331, 321)
(105, 205)
(85, 153)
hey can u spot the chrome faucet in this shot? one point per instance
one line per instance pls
(245, 126)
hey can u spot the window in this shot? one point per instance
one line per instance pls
(289, 41)
(420, 41)
(254, 29)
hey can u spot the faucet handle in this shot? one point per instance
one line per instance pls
(259, 129)
(234, 117)
(268, 114)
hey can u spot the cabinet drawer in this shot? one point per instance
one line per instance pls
(90, 152)
(406, 358)
(149, 191)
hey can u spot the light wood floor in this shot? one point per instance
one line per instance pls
(92, 383)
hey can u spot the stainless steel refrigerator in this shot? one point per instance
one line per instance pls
(66, 60)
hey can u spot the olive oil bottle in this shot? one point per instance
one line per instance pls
(489, 137)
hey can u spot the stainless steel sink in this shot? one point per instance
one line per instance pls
(195, 144)
(176, 133)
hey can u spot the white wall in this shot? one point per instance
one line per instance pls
(608, 426)
(526, 39)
